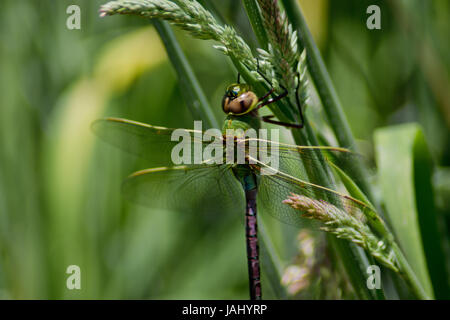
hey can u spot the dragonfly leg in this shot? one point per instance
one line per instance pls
(277, 98)
(299, 106)
(274, 99)
(266, 95)
(268, 119)
(272, 89)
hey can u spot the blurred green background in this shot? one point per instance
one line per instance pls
(60, 201)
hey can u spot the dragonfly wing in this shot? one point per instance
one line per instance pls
(271, 194)
(274, 152)
(202, 188)
(274, 189)
(294, 174)
(155, 143)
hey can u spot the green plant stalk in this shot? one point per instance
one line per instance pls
(184, 69)
(327, 93)
(380, 227)
(189, 85)
(408, 274)
(210, 6)
(349, 252)
(251, 7)
(350, 258)
(374, 221)
(271, 261)
(338, 122)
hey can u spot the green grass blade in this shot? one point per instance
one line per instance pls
(354, 259)
(405, 175)
(189, 85)
(271, 262)
(251, 7)
(375, 222)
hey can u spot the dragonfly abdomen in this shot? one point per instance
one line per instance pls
(251, 234)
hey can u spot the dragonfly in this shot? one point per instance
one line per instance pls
(218, 180)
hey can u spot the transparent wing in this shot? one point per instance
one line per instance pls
(156, 143)
(270, 151)
(273, 190)
(307, 163)
(299, 170)
(201, 188)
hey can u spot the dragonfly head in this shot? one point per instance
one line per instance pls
(239, 99)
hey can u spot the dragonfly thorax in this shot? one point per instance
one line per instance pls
(239, 99)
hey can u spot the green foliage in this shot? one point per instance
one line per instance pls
(405, 170)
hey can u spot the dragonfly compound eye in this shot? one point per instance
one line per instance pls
(240, 104)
